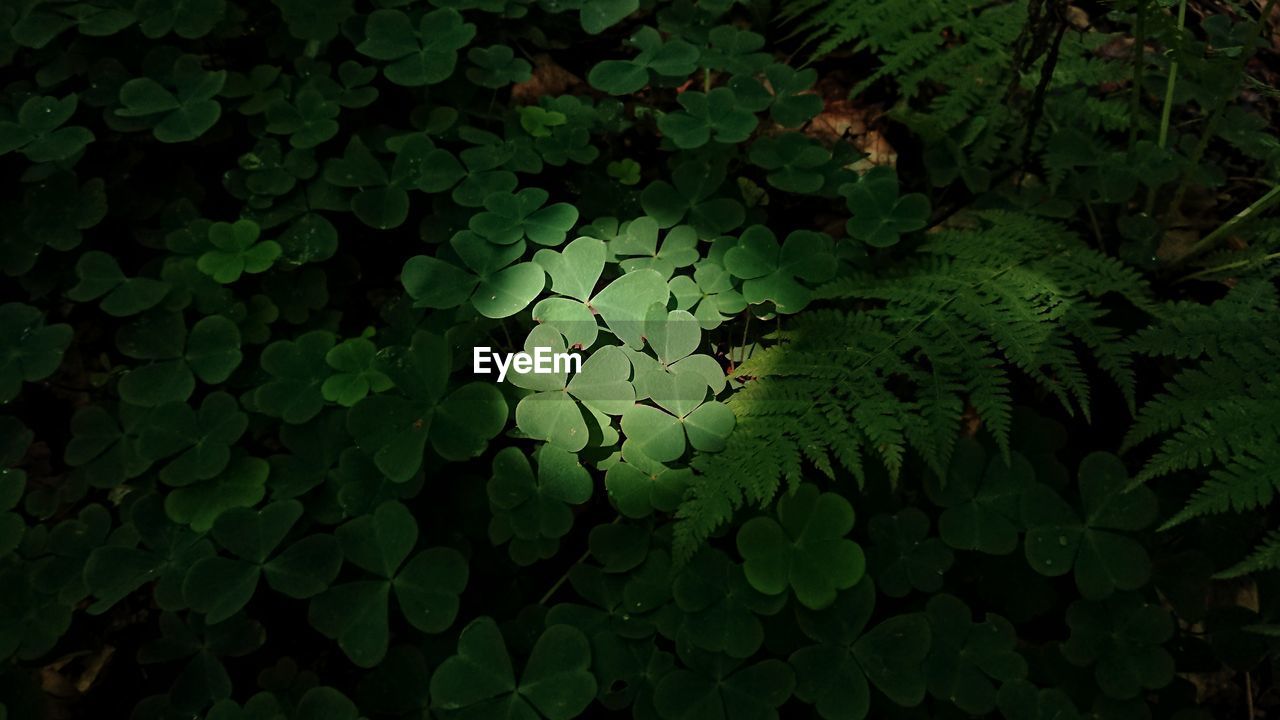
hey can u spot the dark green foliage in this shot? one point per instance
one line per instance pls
(867, 297)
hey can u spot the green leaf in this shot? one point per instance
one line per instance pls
(379, 542)
(880, 215)
(38, 134)
(719, 688)
(497, 66)
(1122, 637)
(691, 195)
(479, 679)
(706, 116)
(793, 162)
(242, 484)
(425, 55)
(428, 586)
(181, 110)
(904, 557)
(968, 658)
(188, 19)
(1104, 560)
(773, 273)
(298, 369)
(236, 251)
(528, 511)
(805, 549)
(600, 15)
(983, 510)
(676, 58)
(32, 350)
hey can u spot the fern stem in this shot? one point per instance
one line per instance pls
(1139, 61)
(1258, 207)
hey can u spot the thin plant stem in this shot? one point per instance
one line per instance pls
(1166, 110)
(1258, 207)
(1230, 266)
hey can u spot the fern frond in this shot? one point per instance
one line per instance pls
(895, 375)
(1265, 557)
(1219, 417)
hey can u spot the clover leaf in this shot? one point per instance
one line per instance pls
(481, 682)
(1122, 637)
(575, 272)
(690, 195)
(597, 16)
(219, 586)
(706, 116)
(508, 218)
(711, 685)
(532, 514)
(674, 58)
(1058, 539)
(966, 657)
(241, 484)
(147, 547)
(983, 509)
(314, 19)
(773, 272)
(308, 120)
(677, 383)
(568, 412)
(497, 66)
(200, 440)
(538, 121)
(356, 376)
(31, 351)
(100, 277)
(1020, 700)
(880, 214)
(719, 606)
(394, 428)
(637, 247)
(791, 159)
(903, 556)
(298, 369)
(382, 198)
(625, 171)
(187, 19)
(805, 549)
(709, 294)
(39, 133)
(210, 351)
(179, 110)
(794, 103)
(734, 50)
(424, 55)
(638, 485)
(236, 250)
(426, 586)
(498, 288)
(834, 673)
